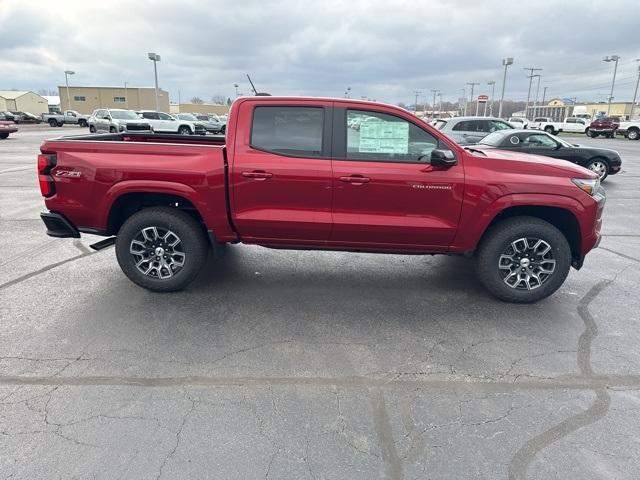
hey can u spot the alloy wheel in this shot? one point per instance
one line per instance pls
(157, 252)
(527, 263)
(599, 168)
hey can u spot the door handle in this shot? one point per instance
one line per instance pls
(257, 175)
(355, 179)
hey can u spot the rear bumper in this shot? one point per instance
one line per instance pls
(58, 226)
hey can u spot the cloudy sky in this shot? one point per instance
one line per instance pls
(381, 49)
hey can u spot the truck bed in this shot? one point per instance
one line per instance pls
(146, 138)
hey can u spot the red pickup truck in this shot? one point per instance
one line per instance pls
(292, 174)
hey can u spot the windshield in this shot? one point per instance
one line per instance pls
(494, 139)
(187, 116)
(124, 115)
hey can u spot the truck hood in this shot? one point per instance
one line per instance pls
(536, 164)
(118, 121)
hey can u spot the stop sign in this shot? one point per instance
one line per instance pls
(483, 98)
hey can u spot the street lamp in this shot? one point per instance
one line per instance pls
(492, 83)
(66, 79)
(347, 93)
(635, 94)
(506, 62)
(612, 58)
(155, 58)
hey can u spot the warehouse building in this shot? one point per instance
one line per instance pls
(23, 101)
(87, 99)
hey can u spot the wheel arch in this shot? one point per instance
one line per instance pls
(561, 218)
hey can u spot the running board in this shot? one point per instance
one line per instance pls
(107, 242)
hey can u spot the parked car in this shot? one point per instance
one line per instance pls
(7, 127)
(68, 116)
(295, 176)
(189, 117)
(25, 117)
(630, 129)
(519, 122)
(211, 124)
(570, 124)
(163, 122)
(116, 120)
(606, 126)
(470, 130)
(601, 161)
(7, 116)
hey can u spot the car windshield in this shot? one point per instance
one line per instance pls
(494, 139)
(187, 116)
(562, 142)
(439, 124)
(124, 115)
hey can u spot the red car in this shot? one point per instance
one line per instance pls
(7, 127)
(291, 174)
(603, 126)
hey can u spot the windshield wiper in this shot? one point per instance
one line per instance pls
(475, 150)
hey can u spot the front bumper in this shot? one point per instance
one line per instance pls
(58, 226)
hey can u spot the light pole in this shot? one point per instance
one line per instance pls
(415, 105)
(612, 58)
(347, 93)
(493, 92)
(544, 94)
(235, 85)
(155, 58)
(463, 110)
(66, 79)
(635, 94)
(439, 103)
(506, 62)
(473, 84)
(126, 97)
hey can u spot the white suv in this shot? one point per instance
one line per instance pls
(163, 122)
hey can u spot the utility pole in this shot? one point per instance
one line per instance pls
(473, 84)
(439, 103)
(463, 109)
(544, 94)
(493, 92)
(535, 102)
(635, 94)
(433, 105)
(612, 58)
(530, 77)
(415, 105)
(126, 97)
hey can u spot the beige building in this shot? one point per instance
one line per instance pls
(87, 99)
(207, 108)
(618, 109)
(23, 101)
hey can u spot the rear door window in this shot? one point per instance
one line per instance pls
(293, 131)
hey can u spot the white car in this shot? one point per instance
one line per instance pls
(117, 120)
(570, 124)
(519, 122)
(165, 123)
(631, 130)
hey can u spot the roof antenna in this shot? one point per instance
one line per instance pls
(253, 87)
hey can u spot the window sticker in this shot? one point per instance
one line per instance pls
(378, 136)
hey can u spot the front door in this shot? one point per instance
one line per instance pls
(281, 173)
(386, 193)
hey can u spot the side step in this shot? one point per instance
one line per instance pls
(102, 244)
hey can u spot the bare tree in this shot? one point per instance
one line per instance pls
(197, 100)
(218, 99)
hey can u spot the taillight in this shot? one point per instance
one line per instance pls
(45, 163)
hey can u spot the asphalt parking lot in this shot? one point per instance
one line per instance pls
(307, 365)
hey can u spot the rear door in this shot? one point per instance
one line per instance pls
(281, 172)
(386, 193)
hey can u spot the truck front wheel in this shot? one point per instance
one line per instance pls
(161, 249)
(523, 260)
(549, 129)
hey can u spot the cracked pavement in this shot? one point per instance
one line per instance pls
(316, 365)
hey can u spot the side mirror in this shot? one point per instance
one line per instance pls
(443, 158)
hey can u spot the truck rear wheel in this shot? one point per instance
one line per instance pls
(53, 122)
(161, 249)
(523, 260)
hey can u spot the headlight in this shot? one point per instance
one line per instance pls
(122, 128)
(588, 185)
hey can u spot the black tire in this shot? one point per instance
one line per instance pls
(53, 122)
(184, 130)
(60, 124)
(113, 130)
(223, 130)
(4, 135)
(633, 134)
(597, 164)
(193, 244)
(82, 124)
(92, 129)
(590, 133)
(498, 240)
(550, 130)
